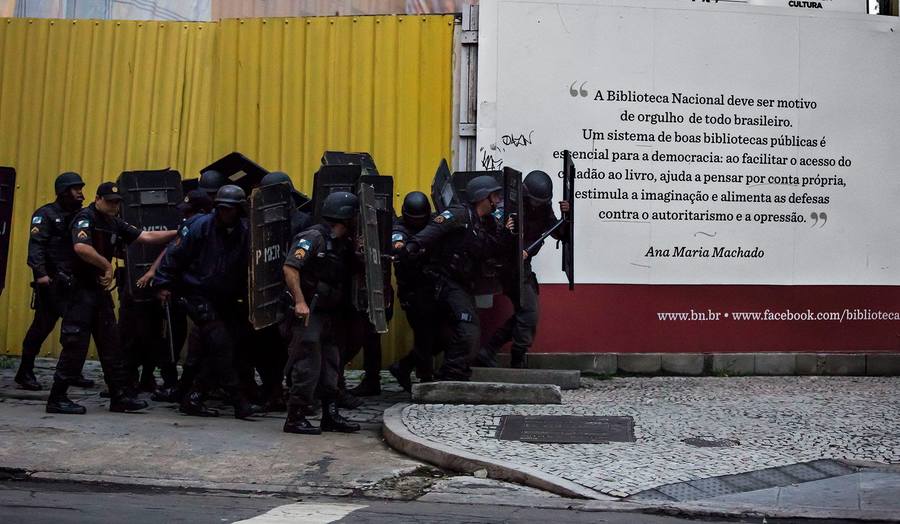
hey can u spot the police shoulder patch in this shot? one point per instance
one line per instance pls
(83, 223)
(35, 230)
(82, 235)
(184, 231)
(397, 237)
(37, 219)
(303, 244)
(300, 253)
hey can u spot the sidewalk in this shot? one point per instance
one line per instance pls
(726, 446)
(161, 447)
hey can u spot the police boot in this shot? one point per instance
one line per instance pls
(518, 359)
(122, 402)
(192, 404)
(348, 401)
(25, 376)
(333, 421)
(297, 423)
(164, 394)
(402, 375)
(370, 386)
(58, 402)
(82, 382)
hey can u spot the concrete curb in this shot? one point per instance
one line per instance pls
(401, 439)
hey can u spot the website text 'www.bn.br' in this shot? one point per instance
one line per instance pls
(705, 315)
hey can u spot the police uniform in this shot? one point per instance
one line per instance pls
(521, 326)
(458, 242)
(206, 267)
(49, 255)
(90, 311)
(415, 292)
(314, 352)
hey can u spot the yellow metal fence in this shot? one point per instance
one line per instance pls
(102, 97)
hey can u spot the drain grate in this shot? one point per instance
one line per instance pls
(743, 482)
(711, 442)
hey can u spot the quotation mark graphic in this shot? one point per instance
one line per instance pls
(816, 216)
(580, 91)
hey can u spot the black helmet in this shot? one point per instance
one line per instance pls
(481, 187)
(211, 181)
(340, 206)
(275, 177)
(416, 205)
(539, 187)
(230, 195)
(67, 180)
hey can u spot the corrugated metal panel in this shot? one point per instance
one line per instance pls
(100, 97)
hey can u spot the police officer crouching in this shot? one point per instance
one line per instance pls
(207, 268)
(50, 258)
(458, 242)
(97, 235)
(317, 273)
(415, 292)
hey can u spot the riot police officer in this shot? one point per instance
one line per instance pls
(97, 235)
(521, 326)
(415, 292)
(207, 267)
(458, 241)
(317, 272)
(50, 257)
(300, 220)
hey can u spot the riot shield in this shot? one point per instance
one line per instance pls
(149, 200)
(240, 170)
(7, 190)
(270, 236)
(460, 179)
(340, 158)
(568, 254)
(513, 206)
(442, 193)
(383, 194)
(369, 236)
(330, 179)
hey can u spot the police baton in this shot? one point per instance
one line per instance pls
(169, 333)
(544, 236)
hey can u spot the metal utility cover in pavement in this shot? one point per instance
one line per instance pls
(566, 429)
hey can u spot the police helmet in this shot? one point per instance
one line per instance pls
(416, 205)
(67, 180)
(539, 187)
(481, 187)
(211, 181)
(275, 177)
(340, 206)
(230, 195)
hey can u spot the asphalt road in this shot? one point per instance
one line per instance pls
(63, 503)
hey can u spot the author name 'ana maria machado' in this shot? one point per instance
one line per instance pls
(702, 252)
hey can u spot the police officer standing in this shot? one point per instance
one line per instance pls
(521, 326)
(458, 242)
(50, 257)
(317, 272)
(207, 267)
(97, 236)
(415, 291)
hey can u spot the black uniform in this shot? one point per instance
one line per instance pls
(49, 254)
(416, 294)
(206, 267)
(314, 356)
(90, 311)
(457, 241)
(521, 326)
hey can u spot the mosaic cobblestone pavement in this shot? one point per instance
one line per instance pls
(776, 421)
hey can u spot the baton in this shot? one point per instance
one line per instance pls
(170, 334)
(544, 236)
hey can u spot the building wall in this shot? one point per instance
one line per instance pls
(102, 97)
